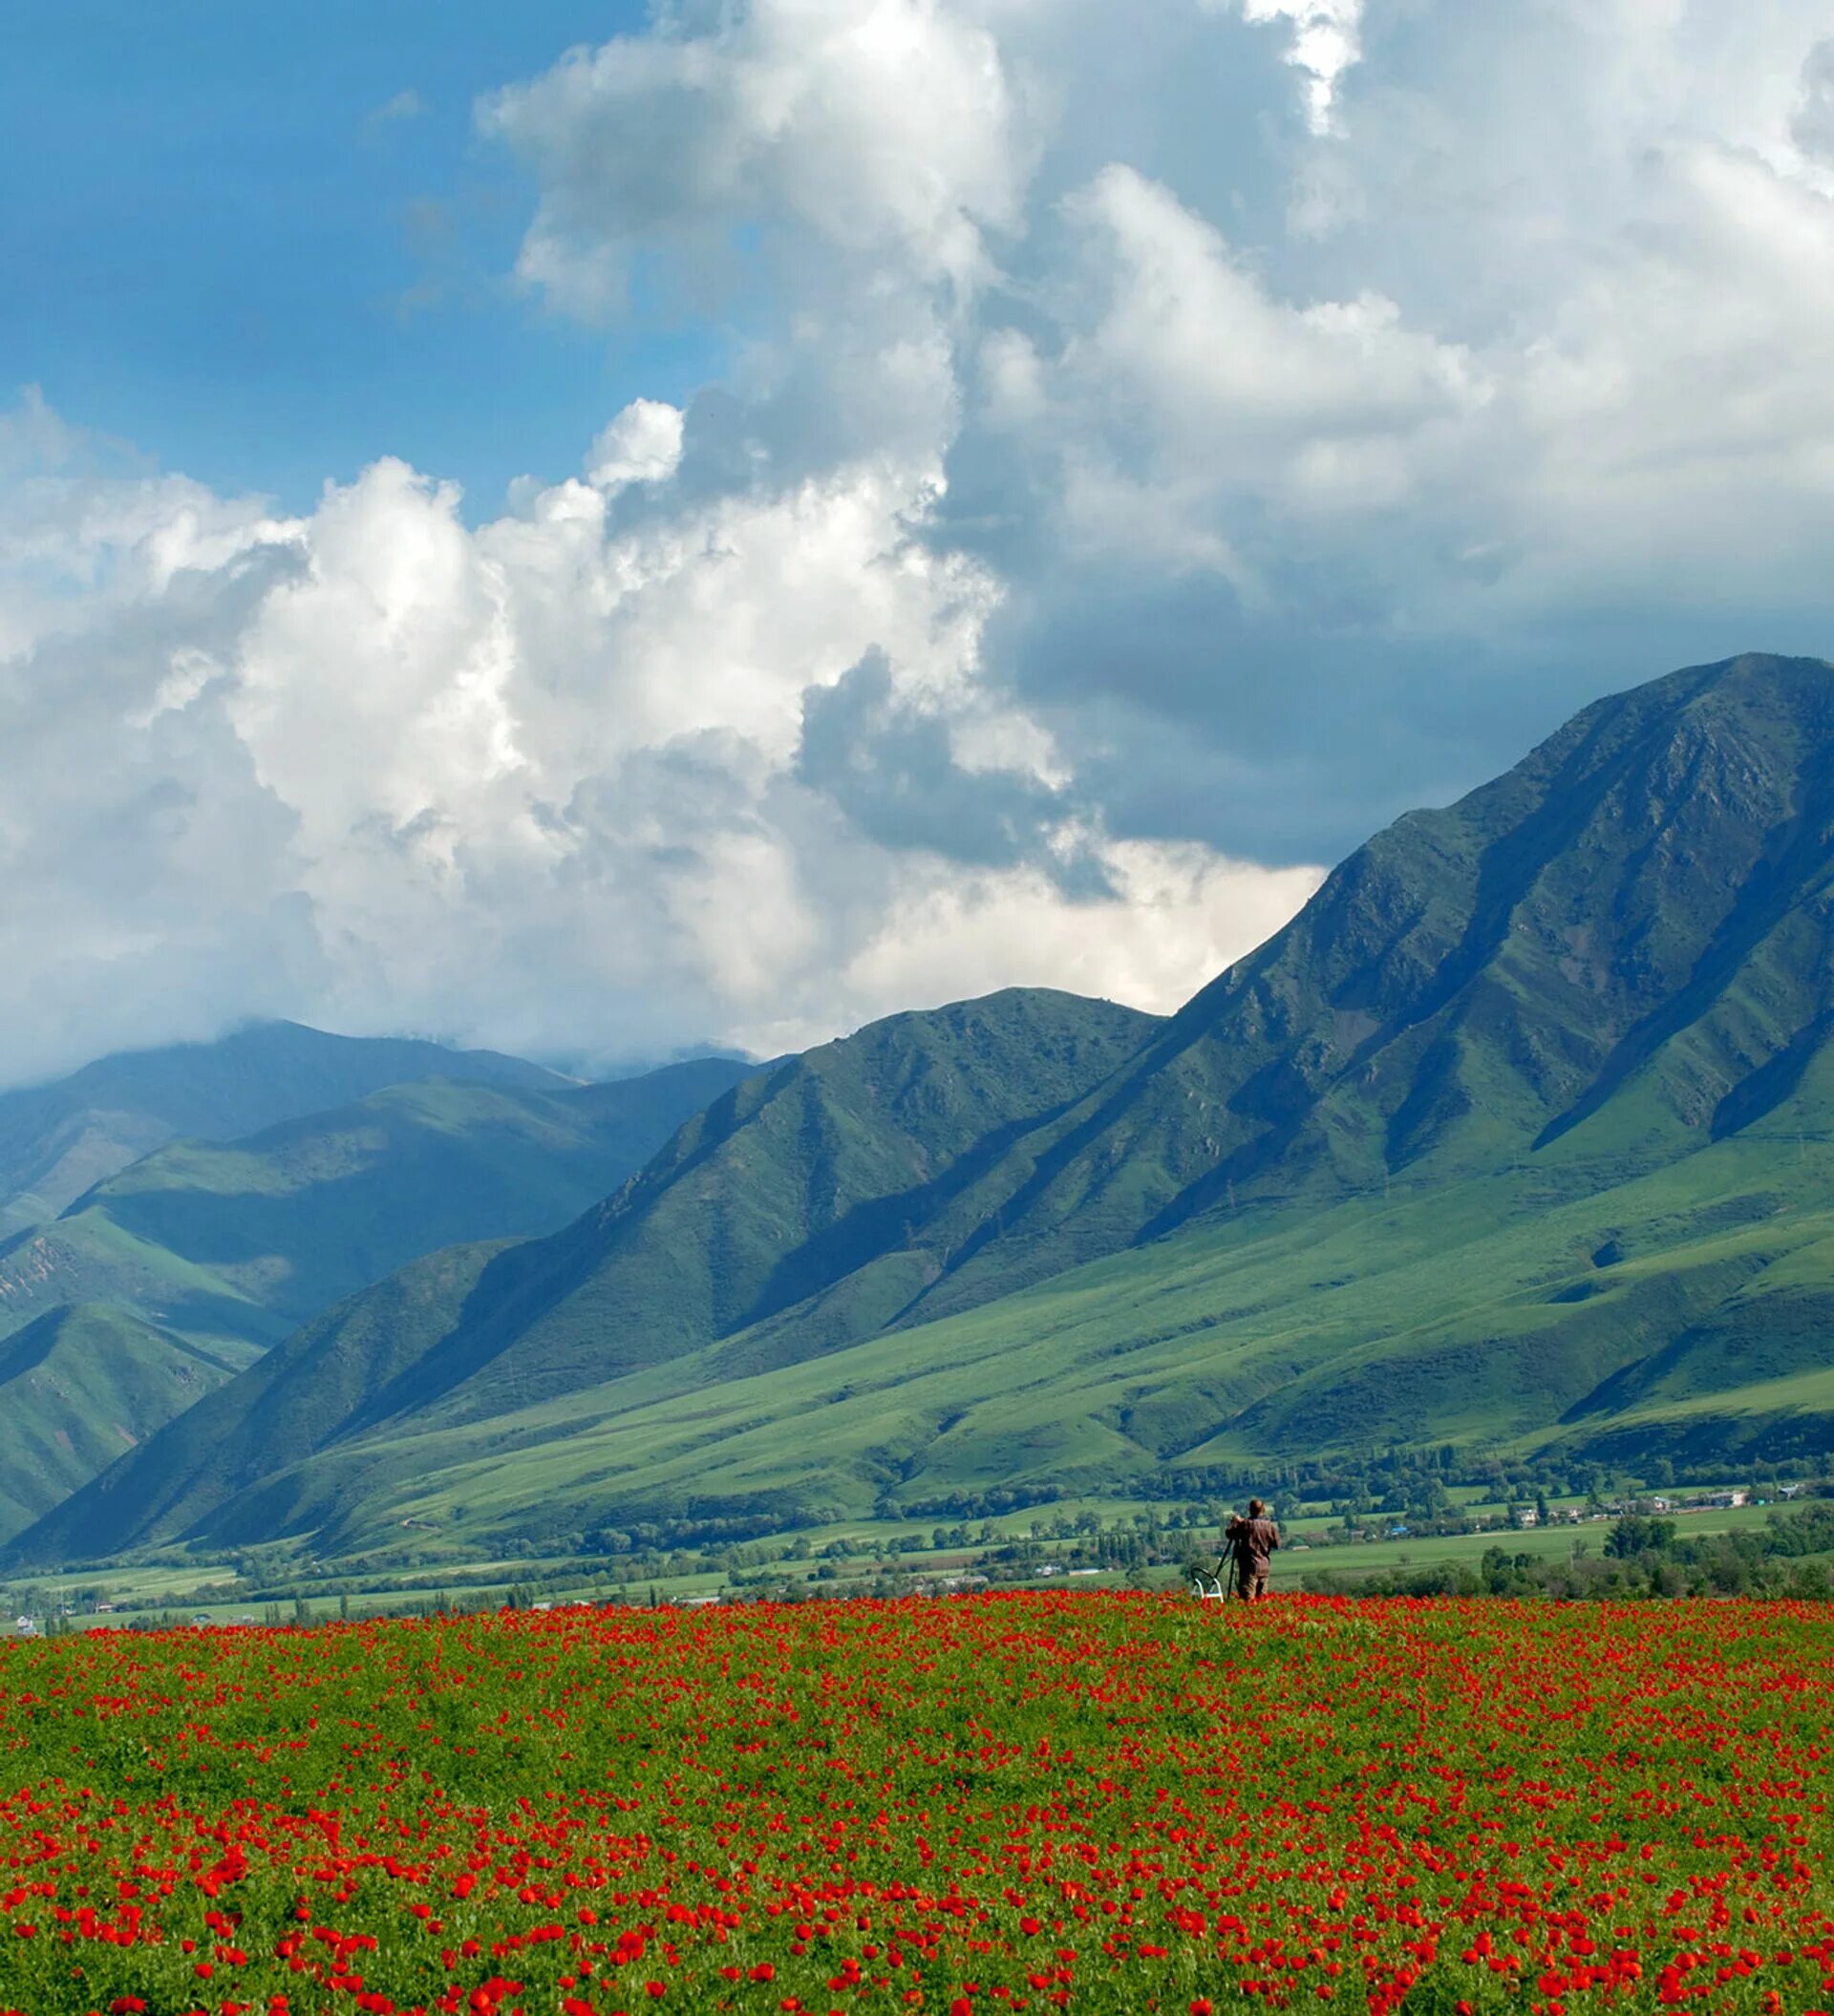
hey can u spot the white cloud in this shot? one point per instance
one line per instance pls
(1119, 480)
(1190, 353)
(536, 783)
(641, 445)
(1178, 915)
(886, 128)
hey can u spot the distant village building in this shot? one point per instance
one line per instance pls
(1725, 1501)
(1527, 1516)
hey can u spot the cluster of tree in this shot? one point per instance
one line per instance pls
(1642, 1557)
(1402, 1480)
(972, 1504)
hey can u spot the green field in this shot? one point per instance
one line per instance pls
(1020, 1548)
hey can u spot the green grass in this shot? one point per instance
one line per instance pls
(1426, 1316)
(752, 1810)
(1459, 1292)
(1468, 1549)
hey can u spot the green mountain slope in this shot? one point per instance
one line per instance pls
(1516, 1132)
(79, 1385)
(1470, 1312)
(1616, 951)
(59, 1140)
(246, 1240)
(804, 1175)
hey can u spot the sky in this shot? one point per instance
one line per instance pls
(602, 530)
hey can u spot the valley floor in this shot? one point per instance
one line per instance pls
(1092, 1542)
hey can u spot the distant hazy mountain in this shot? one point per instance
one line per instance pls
(242, 1241)
(1523, 1130)
(59, 1140)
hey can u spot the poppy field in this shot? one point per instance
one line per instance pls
(1031, 1801)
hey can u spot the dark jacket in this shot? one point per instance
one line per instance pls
(1251, 1541)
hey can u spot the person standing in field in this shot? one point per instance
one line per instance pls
(1252, 1543)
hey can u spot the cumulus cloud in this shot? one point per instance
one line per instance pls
(723, 773)
(1159, 445)
(1168, 912)
(641, 445)
(887, 129)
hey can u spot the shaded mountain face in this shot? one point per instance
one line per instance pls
(1607, 965)
(1608, 957)
(239, 1243)
(56, 1140)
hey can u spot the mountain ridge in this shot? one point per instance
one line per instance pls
(943, 1079)
(78, 1385)
(1542, 1005)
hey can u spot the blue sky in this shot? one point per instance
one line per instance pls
(597, 530)
(265, 245)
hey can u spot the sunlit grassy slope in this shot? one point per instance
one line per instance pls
(1473, 1313)
(800, 1185)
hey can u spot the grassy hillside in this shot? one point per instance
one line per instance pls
(246, 1240)
(59, 1140)
(1629, 927)
(1474, 1313)
(803, 1176)
(79, 1385)
(802, 1191)
(1517, 1132)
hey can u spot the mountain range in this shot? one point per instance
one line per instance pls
(235, 1244)
(173, 1272)
(56, 1140)
(1518, 1135)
